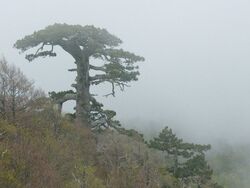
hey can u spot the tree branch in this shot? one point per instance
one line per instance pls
(71, 70)
(112, 91)
(41, 53)
(66, 97)
(63, 96)
(97, 68)
(99, 77)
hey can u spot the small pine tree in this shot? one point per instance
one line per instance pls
(192, 154)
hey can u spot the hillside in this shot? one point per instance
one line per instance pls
(45, 150)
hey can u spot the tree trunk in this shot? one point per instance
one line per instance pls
(82, 92)
(82, 81)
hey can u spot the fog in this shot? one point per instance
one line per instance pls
(196, 77)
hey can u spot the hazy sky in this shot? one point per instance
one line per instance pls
(197, 70)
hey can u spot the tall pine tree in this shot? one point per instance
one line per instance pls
(85, 43)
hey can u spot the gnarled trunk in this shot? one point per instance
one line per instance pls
(82, 82)
(82, 92)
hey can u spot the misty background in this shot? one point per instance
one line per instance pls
(196, 77)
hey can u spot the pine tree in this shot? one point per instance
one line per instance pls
(85, 43)
(192, 154)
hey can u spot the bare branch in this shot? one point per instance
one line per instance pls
(40, 49)
(112, 91)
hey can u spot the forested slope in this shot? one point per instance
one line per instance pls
(45, 150)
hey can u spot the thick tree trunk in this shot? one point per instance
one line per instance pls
(82, 92)
(82, 82)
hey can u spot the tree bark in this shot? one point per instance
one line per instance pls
(82, 92)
